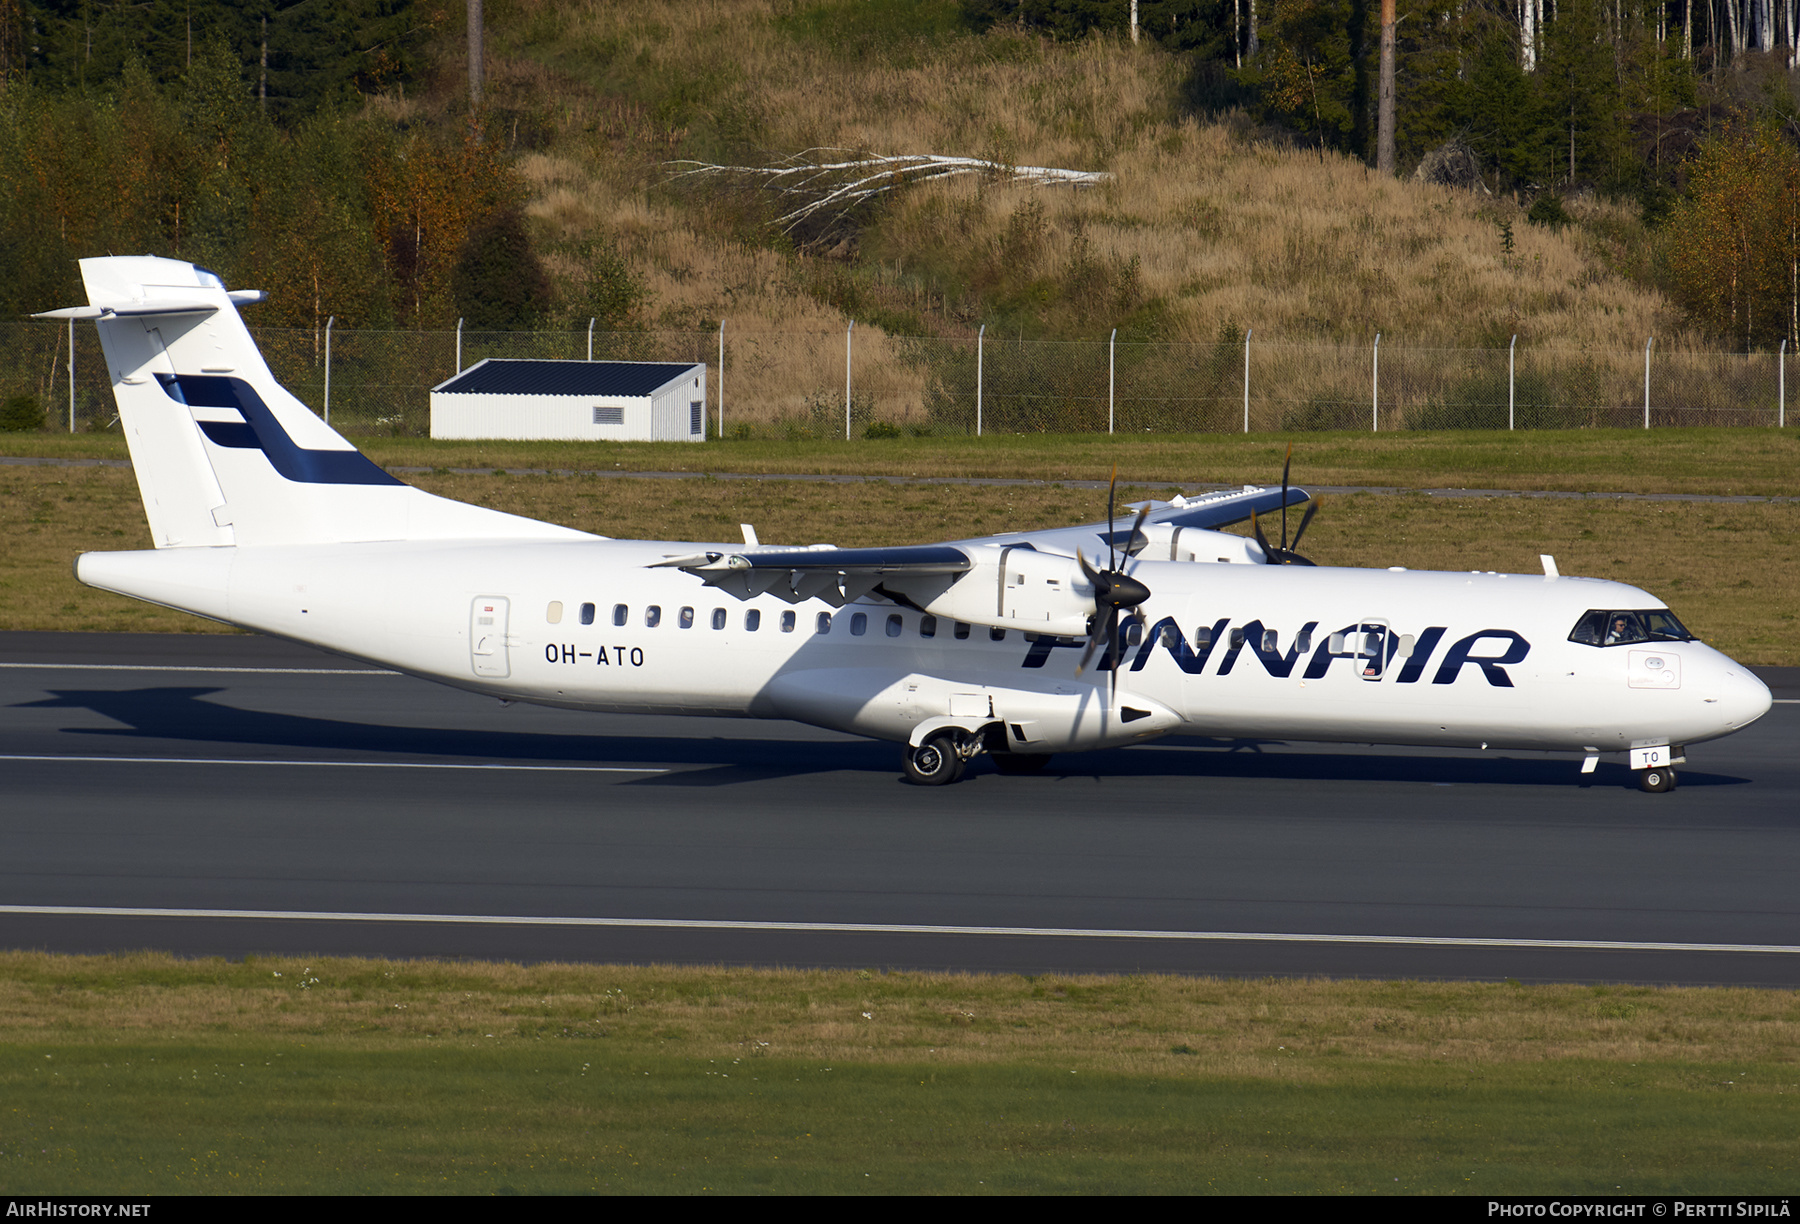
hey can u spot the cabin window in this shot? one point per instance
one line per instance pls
(718, 618)
(587, 613)
(1134, 633)
(752, 620)
(859, 625)
(1303, 643)
(823, 624)
(996, 634)
(687, 618)
(962, 632)
(553, 613)
(894, 625)
(653, 616)
(1203, 636)
(621, 614)
(788, 621)
(927, 626)
(1271, 642)
(1237, 638)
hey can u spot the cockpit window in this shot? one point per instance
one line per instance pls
(1621, 627)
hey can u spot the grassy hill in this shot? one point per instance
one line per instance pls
(1209, 225)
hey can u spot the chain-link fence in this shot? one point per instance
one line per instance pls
(846, 384)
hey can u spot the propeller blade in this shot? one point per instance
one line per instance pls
(1102, 632)
(1131, 540)
(1285, 465)
(1112, 647)
(1305, 519)
(1111, 487)
(1269, 557)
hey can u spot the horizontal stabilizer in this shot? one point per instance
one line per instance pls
(130, 312)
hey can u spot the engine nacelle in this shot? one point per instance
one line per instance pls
(1013, 588)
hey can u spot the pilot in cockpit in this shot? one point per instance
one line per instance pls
(1624, 629)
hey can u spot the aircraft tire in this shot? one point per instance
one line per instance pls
(936, 762)
(1656, 781)
(1015, 764)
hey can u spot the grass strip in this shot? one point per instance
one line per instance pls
(144, 1074)
(1731, 571)
(1720, 461)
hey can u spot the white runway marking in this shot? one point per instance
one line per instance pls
(894, 928)
(123, 760)
(244, 671)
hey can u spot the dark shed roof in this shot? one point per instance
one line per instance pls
(504, 376)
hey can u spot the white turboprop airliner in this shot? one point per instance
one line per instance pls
(265, 518)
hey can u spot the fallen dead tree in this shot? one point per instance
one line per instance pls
(833, 188)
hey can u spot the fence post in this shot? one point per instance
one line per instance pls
(1781, 386)
(591, 337)
(328, 323)
(1375, 402)
(721, 378)
(1647, 343)
(847, 334)
(980, 336)
(1511, 385)
(459, 324)
(1248, 332)
(71, 375)
(1112, 347)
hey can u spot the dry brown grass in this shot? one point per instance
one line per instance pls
(1227, 229)
(1293, 1030)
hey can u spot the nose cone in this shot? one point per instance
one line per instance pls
(1742, 696)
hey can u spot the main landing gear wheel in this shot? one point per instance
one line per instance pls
(1657, 780)
(936, 762)
(1018, 763)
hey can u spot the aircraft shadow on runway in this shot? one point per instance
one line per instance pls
(183, 715)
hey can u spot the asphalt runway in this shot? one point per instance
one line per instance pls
(289, 802)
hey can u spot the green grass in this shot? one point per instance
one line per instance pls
(147, 1075)
(1760, 462)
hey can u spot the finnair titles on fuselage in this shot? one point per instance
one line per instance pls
(1018, 645)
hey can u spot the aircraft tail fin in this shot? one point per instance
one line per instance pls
(223, 453)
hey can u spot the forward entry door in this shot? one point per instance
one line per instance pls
(487, 637)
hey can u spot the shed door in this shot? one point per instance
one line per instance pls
(487, 636)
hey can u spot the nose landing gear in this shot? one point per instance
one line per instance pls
(1657, 780)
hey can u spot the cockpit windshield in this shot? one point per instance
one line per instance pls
(1614, 627)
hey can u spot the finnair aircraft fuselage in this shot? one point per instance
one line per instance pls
(1012, 645)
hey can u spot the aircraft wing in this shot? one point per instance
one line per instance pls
(1214, 510)
(1207, 512)
(836, 575)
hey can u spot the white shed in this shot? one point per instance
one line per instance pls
(581, 401)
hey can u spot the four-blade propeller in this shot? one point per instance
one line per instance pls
(1285, 553)
(1115, 591)
(1118, 595)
